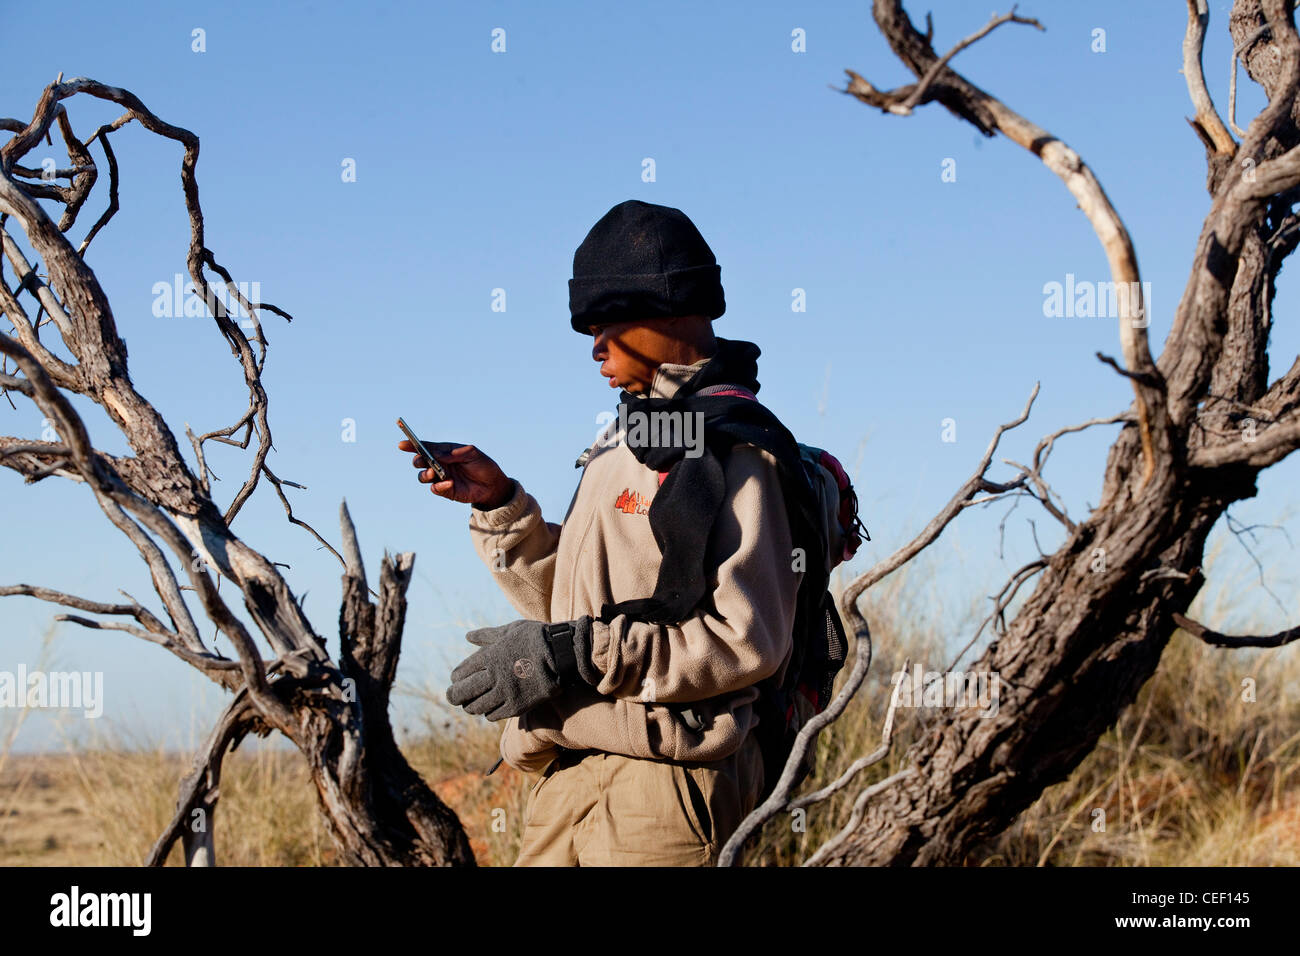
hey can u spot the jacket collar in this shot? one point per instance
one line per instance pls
(734, 363)
(670, 377)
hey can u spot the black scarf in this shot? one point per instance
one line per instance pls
(683, 511)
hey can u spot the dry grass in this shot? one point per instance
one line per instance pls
(1192, 774)
(1200, 771)
(105, 807)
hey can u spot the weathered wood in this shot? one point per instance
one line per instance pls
(377, 808)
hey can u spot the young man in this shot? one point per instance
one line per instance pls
(629, 682)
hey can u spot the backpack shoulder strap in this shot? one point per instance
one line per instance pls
(737, 390)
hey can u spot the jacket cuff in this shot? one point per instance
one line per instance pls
(602, 636)
(515, 749)
(491, 519)
(583, 649)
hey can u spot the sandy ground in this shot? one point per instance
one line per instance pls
(43, 817)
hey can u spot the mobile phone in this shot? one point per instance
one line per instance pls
(438, 470)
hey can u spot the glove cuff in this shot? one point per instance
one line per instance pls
(570, 645)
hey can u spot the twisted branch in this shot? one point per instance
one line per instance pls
(990, 115)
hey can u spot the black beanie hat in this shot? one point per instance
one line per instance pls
(643, 261)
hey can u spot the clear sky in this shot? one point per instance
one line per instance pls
(479, 170)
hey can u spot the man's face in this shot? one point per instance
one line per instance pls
(630, 352)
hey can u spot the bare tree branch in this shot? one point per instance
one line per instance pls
(779, 798)
(825, 851)
(1259, 450)
(201, 788)
(909, 102)
(974, 484)
(1232, 75)
(862, 763)
(1199, 630)
(1207, 123)
(990, 114)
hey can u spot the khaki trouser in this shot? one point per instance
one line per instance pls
(591, 808)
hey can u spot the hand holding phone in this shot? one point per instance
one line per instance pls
(419, 447)
(463, 474)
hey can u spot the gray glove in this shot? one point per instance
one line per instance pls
(521, 665)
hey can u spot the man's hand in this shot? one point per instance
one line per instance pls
(521, 665)
(473, 477)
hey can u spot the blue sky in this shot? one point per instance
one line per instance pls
(479, 170)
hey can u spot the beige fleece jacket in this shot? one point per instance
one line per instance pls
(604, 551)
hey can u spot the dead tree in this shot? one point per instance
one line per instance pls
(1203, 423)
(334, 708)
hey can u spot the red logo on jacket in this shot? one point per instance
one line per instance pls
(632, 502)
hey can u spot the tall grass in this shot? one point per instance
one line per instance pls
(1200, 771)
(266, 816)
(14, 786)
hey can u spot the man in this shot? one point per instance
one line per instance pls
(629, 682)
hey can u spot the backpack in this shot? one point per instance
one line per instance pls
(827, 526)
